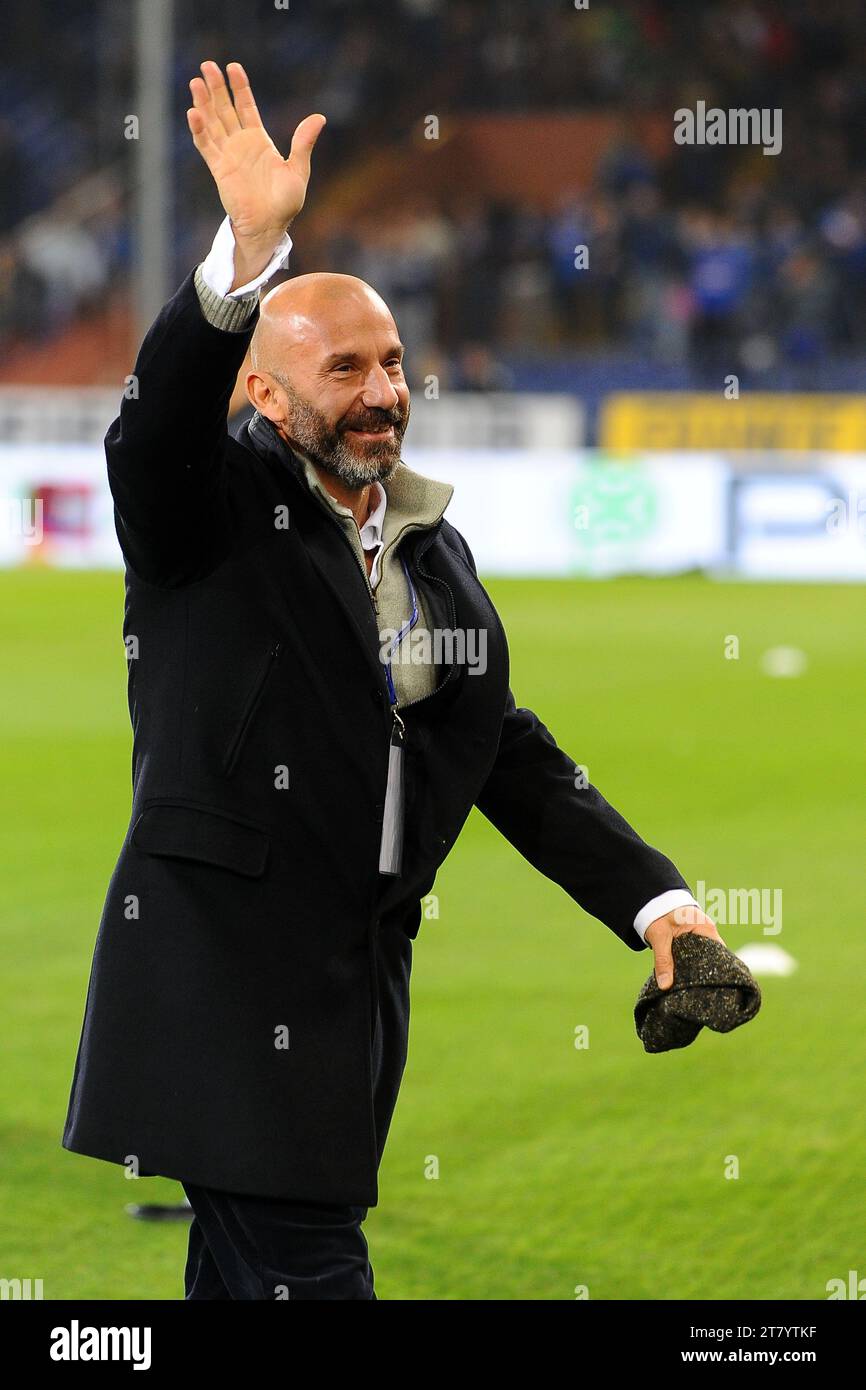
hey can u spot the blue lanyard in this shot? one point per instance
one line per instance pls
(407, 627)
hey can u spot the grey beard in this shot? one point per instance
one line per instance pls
(343, 463)
(330, 450)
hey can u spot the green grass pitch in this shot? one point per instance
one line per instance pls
(557, 1167)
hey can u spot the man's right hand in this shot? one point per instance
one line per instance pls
(261, 192)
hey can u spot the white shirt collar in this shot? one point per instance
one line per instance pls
(371, 531)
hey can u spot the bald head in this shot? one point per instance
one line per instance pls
(326, 368)
(301, 311)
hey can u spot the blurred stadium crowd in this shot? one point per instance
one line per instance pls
(701, 259)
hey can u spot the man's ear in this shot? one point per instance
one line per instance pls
(261, 395)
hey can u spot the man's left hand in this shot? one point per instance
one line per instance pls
(661, 932)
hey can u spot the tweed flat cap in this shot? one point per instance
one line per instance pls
(712, 988)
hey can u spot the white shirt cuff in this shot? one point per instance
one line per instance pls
(218, 267)
(660, 906)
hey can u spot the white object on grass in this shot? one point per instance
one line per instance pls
(765, 958)
(784, 661)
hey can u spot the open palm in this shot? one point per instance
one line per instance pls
(260, 190)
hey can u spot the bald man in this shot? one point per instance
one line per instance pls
(297, 781)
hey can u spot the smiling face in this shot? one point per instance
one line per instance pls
(327, 370)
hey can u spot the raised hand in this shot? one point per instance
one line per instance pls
(260, 190)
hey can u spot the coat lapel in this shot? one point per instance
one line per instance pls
(325, 543)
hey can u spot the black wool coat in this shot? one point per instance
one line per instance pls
(246, 1018)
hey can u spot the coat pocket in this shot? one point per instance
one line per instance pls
(239, 737)
(179, 831)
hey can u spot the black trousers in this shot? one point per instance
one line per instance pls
(264, 1248)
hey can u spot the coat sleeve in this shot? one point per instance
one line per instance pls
(166, 450)
(539, 799)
